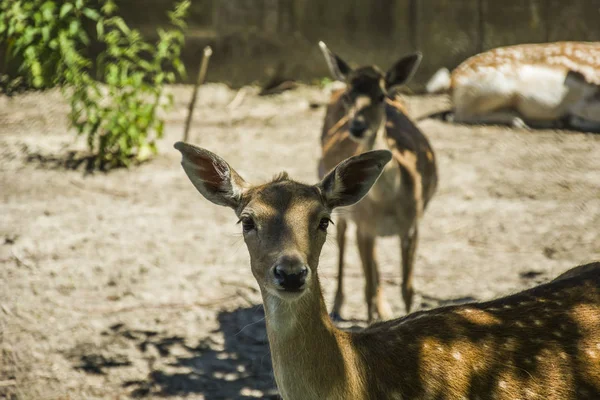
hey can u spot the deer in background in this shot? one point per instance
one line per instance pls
(542, 343)
(364, 116)
(546, 85)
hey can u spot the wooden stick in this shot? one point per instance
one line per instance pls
(237, 100)
(199, 81)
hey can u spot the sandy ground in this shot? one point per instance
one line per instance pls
(129, 284)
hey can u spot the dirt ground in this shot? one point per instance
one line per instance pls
(131, 285)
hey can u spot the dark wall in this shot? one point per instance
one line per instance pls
(250, 37)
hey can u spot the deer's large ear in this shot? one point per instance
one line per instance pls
(212, 176)
(337, 67)
(351, 180)
(402, 71)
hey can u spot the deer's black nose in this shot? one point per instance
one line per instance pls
(290, 276)
(358, 127)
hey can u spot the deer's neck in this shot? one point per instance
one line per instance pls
(311, 358)
(389, 185)
(377, 141)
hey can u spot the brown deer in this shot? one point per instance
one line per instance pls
(364, 116)
(542, 343)
(539, 85)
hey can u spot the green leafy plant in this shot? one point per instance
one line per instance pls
(117, 109)
(35, 32)
(119, 118)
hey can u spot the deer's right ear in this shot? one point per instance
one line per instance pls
(337, 67)
(352, 179)
(212, 176)
(402, 71)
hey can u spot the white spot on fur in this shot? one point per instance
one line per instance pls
(529, 79)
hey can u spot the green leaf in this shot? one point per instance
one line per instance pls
(37, 18)
(91, 14)
(48, 10)
(84, 37)
(109, 7)
(160, 129)
(36, 69)
(100, 29)
(122, 25)
(46, 33)
(144, 153)
(65, 9)
(38, 82)
(74, 27)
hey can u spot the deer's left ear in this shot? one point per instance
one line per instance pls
(352, 179)
(212, 176)
(402, 71)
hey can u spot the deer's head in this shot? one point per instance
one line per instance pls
(367, 88)
(284, 222)
(587, 106)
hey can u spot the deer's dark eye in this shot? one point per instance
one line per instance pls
(248, 224)
(324, 224)
(381, 98)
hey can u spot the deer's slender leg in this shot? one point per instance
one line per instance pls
(384, 310)
(376, 303)
(339, 294)
(365, 248)
(409, 248)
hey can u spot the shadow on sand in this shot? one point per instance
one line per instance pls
(239, 367)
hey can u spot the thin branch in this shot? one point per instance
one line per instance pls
(200, 81)
(238, 99)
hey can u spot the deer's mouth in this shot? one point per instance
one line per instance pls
(288, 293)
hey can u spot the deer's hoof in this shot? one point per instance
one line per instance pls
(518, 123)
